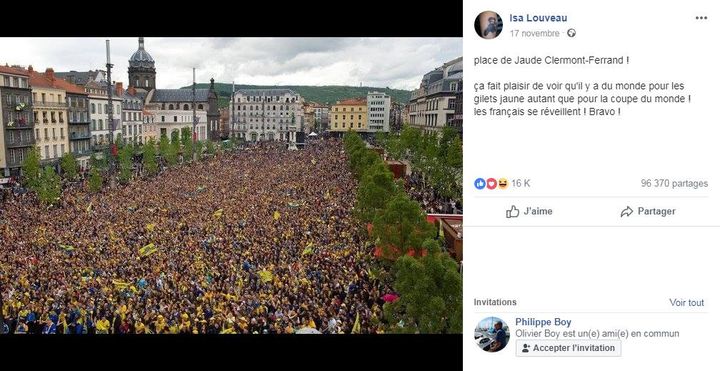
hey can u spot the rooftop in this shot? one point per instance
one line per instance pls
(264, 92)
(352, 102)
(13, 70)
(48, 79)
(180, 95)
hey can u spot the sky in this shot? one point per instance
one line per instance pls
(398, 63)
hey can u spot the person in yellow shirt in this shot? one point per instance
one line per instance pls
(102, 326)
(139, 327)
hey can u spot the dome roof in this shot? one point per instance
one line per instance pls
(141, 58)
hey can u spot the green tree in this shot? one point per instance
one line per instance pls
(31, 169)
(150, 165)
(49, 189)
(210, 147)
(69, 166)
(430, 289)
(100, 163)
(168, 149)
(187, 144)
(125, 160)
(95, 179)
(375, 189)
(402, 226)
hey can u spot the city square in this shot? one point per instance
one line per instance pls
(196, 211)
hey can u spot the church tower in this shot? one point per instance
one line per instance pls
(141, 72)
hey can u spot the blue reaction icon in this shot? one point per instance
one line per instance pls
(479, 183)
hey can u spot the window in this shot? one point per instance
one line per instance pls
(92, 108)
(60, 117)
(172, 107)
(200, 106)
(37, 133)
(162, 118)
(94, 125)
(34, 97)
(100, 124)
(62, 149)
(47, 151)
(62, 133)
(46, 134)
(60, 100)
(54, 136)
(55, 150)
(43, 97)
(7, 81)
(175, 118)
(186, 107)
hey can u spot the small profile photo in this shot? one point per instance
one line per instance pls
(492, 334)
(488, 25)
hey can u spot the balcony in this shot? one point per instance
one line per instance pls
(20, 143)
(82, 152)
(79, 136)
(100, 146)
(49, 104)
(21, 125)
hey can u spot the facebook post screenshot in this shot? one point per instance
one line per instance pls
(590, 185)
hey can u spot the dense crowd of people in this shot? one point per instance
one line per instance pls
(429, 200)
(253, 241)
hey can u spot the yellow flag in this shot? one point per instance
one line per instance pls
(120, 284)
(148, 249)
(276, 215)
(265, 276)
(218, 213)
(89, 208)
(356, 326)
(150, 227)
(67, 247)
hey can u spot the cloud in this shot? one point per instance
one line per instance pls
(394, 62)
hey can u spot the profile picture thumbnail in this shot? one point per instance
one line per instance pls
(492, 334)
(488, 25)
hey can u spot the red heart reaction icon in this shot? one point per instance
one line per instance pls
(491, 183)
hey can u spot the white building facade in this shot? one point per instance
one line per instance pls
(132, 116)
(99, 121)
(267, 114)
(432, 105)
(378, 106)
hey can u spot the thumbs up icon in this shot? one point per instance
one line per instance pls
(512, 213)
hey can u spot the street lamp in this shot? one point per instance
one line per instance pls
(111, 122)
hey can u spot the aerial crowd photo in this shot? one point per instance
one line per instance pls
(231, 186)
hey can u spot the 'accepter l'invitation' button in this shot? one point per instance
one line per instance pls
(568, 348)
